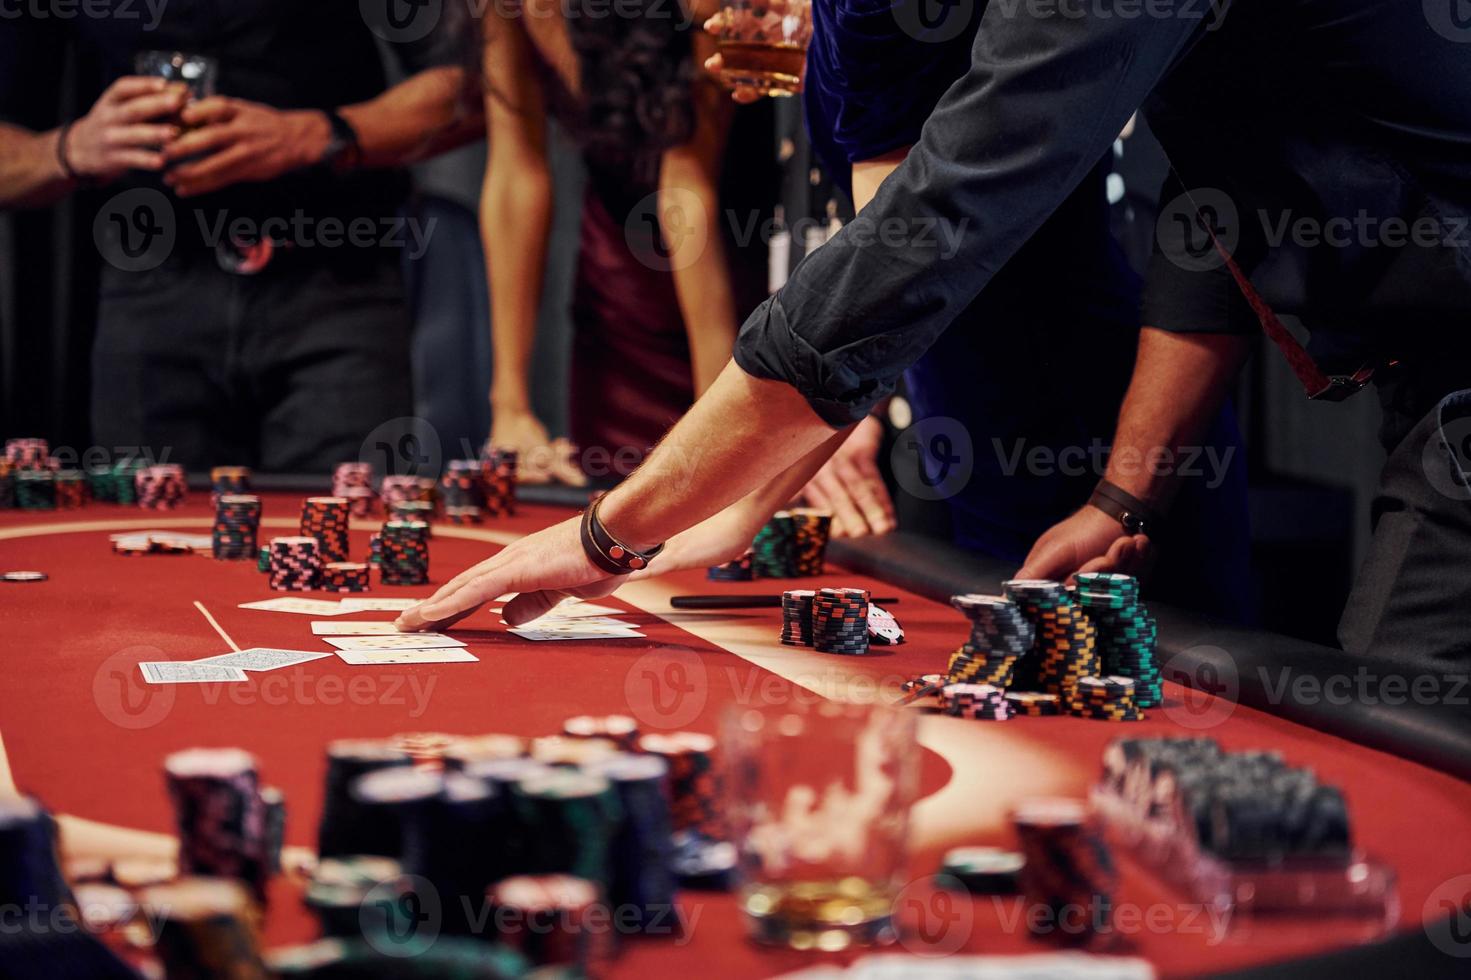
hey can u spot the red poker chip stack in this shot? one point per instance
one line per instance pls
(545, 918)
(462, 492)
(161, 486)
(354, 481)
(237, 527)
(71, 489)
(223, 824)
(1069, 871)
(397, 489)
(403, 548)
(28, 454)
(498, 482)
(840, 621)
(694, 788)
(325, 518)
(296, 564)
(345, 576)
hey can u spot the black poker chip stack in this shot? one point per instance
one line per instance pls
(225, 480)
(404, 553)
(326, 518)
(1068, 870)
(498, 482)
(236, 527)
(810, 532)
(35, 490)
(639, 874)
(840, 621)
(1000, 637)
(796, 617)
(345, 576)
(736, 570)
(7, 485)
(462, 491)
(1066, 645)
(296, 564)
(221, 817)
(1104, 698)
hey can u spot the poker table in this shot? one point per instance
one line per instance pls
(80, 731)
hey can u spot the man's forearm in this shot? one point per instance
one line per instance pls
(1178, 385)
(421, 116)
(742, 434)
(30, 168)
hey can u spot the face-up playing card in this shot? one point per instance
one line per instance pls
(372, 658)
(575, 631)
(350, 628)
(552, 620)
(303, 607)
(403, 641)
(186, 672)
(578, 610)
(264, 658)
(371, 604)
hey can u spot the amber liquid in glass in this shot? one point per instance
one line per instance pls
(769, 68)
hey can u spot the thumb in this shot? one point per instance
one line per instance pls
(527, 606)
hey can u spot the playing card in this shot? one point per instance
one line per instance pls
(372, 604)
(577, 609)
(371, 658)
(572, 631)
(263, 658)
(351, 628)
(187, 672)
(304, 607)
(589, 622)
(403, 641)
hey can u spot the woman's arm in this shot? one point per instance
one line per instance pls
(689, 211)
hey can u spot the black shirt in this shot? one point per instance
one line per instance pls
(1314, 108)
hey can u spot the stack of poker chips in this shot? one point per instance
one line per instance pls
(35, 490)
(461, 491)
(236, 527)
(1068, 870)
(7, 485)
(404, 553)
(396, 489)
(575, 752)
(354, 481)
(547, 921)
(221, 817)
(639, 874)
(621, 730)
(161, 486)
(413, 510)
(498, 482)
(981, 701)
(736, 570)
(345, 576)
(71, 489)
(811, 530)
(274, 802)
(28, 454)
(468, 750)
(840, 621)
(1000, 636)
(703, 858)
(1066, 646)
(771, 550)
(573, 814)
(296, 564)
(796, 617)
(342, 889)
(985, 870)
(29, 874)
(1104, 698)
(204, 927)
(229, 480)
(1034, 704)
(115, 484)
(325, 518)
(1127, 633)
(347, 827)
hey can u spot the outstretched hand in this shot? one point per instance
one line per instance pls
(1088, 541)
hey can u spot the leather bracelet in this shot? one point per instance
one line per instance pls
(61, 158)
(606, 551)
(1136, 516)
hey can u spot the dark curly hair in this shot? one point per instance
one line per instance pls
(636, 66)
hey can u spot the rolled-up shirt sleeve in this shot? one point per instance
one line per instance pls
(1048, 90)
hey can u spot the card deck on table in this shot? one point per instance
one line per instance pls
(403, 641)
(372, 604)
(263, 658)
(188, 672)
(352, 628)
(303, 607)
(370, 658)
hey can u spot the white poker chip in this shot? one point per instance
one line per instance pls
(883, 628)
(24, 577)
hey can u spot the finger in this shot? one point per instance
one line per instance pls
(474, 593)
(529, 606)
(715, 24)
(209, 174)
(136, 136)
(413, 618)
(210, 139)
(120, 160)
(130, 87)
(440, 625)
(847, 520)
(1042, 563)
(211, 111)
(155, 106)
(860, 489)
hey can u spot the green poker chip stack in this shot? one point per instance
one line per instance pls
(1127, 632)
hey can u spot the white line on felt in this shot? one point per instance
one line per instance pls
(223, 635)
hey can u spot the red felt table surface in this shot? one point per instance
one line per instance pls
(84, 735)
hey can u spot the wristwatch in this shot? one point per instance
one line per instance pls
(1135, 515)
(343, 152)
(606, 551)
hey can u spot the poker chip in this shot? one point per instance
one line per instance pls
(984, 870)
(621, 730)
(7, 485)
(353, 481)
(345, 576)
(296, 564)
(326, 519)
(547, 918)
(1034, 703)
(810, 530)
(1105, 699)
(28, 453)
(694, 791)
(985, 702)
(461, 491)
(796, 617)
(498, 482)
(1065, 645)
(771, 549)
(220, 815)
(35, 490)
(736, 570)
(404, 553)
(840, 621)
(1067, 867)
(883, 628)
(924, 686)
(1127, 634)
(229, 480)
(1000, 637)
(202, 920)
(398, 489)
(24, 577)
(233, 536)
(71, 489)
(161, 487)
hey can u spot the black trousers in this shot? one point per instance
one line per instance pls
(1410, 607)
(286, 371)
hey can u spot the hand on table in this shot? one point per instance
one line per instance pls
(125, 128)
(539, 458)
(850, 485)
(543, 569)
(236, 141)
(1089, 541)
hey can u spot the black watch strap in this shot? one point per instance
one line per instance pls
(606, 551)
(1136, 516)
(344, 152)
